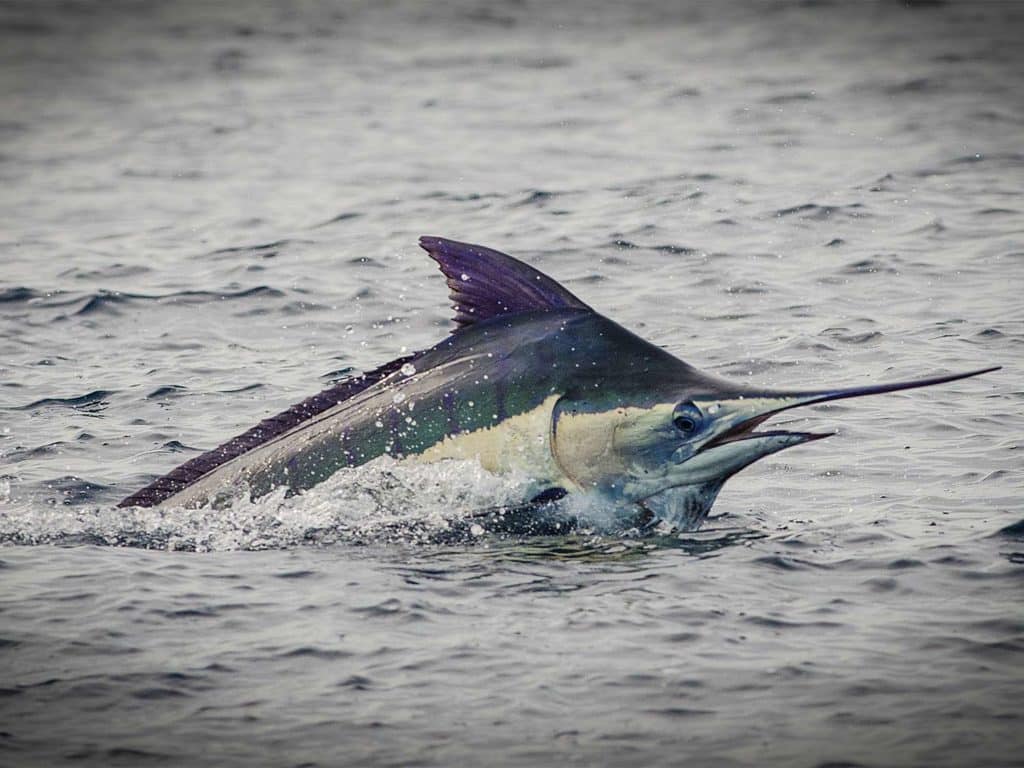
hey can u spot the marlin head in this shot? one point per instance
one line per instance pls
(672, 454)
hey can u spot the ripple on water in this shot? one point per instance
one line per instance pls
(821, 620)
(816, 212)
(263, 250)
(877, 264)
(91, 402)
(787, 563)
(316, 652)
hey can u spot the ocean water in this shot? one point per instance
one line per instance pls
(209, 212)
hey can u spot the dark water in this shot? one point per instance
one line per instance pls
(210, 210)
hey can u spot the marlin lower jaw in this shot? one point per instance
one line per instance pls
(774, 436)
(745, 431)
(694, 483)
(724, 458)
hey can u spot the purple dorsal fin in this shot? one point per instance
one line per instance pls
(485, 283)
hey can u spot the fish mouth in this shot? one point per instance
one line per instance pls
(747, 430)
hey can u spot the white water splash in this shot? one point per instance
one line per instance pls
(383, 501)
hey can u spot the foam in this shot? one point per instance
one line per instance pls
(382, 501)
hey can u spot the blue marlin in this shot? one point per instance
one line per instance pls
(531, 381)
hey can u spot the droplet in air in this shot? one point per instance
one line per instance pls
(408, 369)
(465, 277)
(476, 530)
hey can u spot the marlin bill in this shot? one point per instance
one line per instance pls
(534, 381)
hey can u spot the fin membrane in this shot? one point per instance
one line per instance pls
(485, 283)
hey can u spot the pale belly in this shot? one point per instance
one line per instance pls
(519, 445)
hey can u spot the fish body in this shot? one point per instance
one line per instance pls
(489, 393)
(534, 382)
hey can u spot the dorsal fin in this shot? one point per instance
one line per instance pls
(186, 474)
(485, 283)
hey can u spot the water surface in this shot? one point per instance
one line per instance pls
(210, 212)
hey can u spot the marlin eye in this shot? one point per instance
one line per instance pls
(684, 423)
(687, 418)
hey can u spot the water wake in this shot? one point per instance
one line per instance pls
(384, 501)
